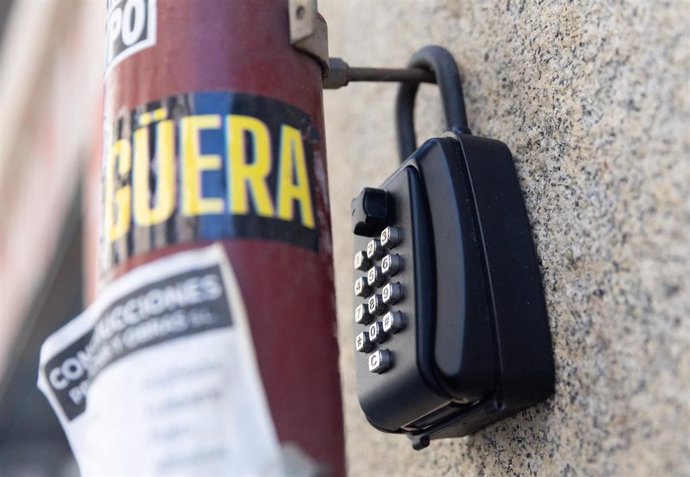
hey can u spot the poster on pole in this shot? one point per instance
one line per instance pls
(159, 375)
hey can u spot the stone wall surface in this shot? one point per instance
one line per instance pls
(593, 98)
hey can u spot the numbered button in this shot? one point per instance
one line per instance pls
(380, 361)
(376, 333)
(361, 287)
(392, 293)
(392, 322)
(375, 276)
(391, 264)
(375, 305)
(391, 236)
(362, 342)
(374, 249)
(362, 315)
(361, 261)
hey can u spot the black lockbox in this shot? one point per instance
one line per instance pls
(450, 324)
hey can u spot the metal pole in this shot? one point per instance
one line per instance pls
(231, 59)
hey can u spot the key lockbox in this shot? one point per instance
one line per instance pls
(450, 323)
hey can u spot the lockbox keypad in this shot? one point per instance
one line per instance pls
(378, 293)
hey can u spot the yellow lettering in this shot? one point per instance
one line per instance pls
(194, 164)
(144, 213)
(150, 198)
(117, 202)
(249, 176)
(152, 116)
(293, 183)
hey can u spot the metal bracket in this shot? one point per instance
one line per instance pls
(309, 32)
(340, 74)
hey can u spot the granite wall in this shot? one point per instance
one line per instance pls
(593, 98)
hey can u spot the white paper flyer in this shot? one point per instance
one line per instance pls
(159, 375)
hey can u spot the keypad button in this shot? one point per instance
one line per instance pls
(392, 322)
(375, 276)
(362, 342)
(391, 236)
(375, 305)
(362, 315)
(391, 264)
(374, 249)
(376, 333)
(380, 361)
(392, 293)
(361, 261)
(361, 287)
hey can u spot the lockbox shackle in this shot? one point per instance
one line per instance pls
(431, 64)
(441, 63)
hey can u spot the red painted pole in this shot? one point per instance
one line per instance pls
(231, 60)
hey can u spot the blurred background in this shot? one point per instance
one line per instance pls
(51, 59)
(592, 97)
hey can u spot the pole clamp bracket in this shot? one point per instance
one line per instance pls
(309, 32)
